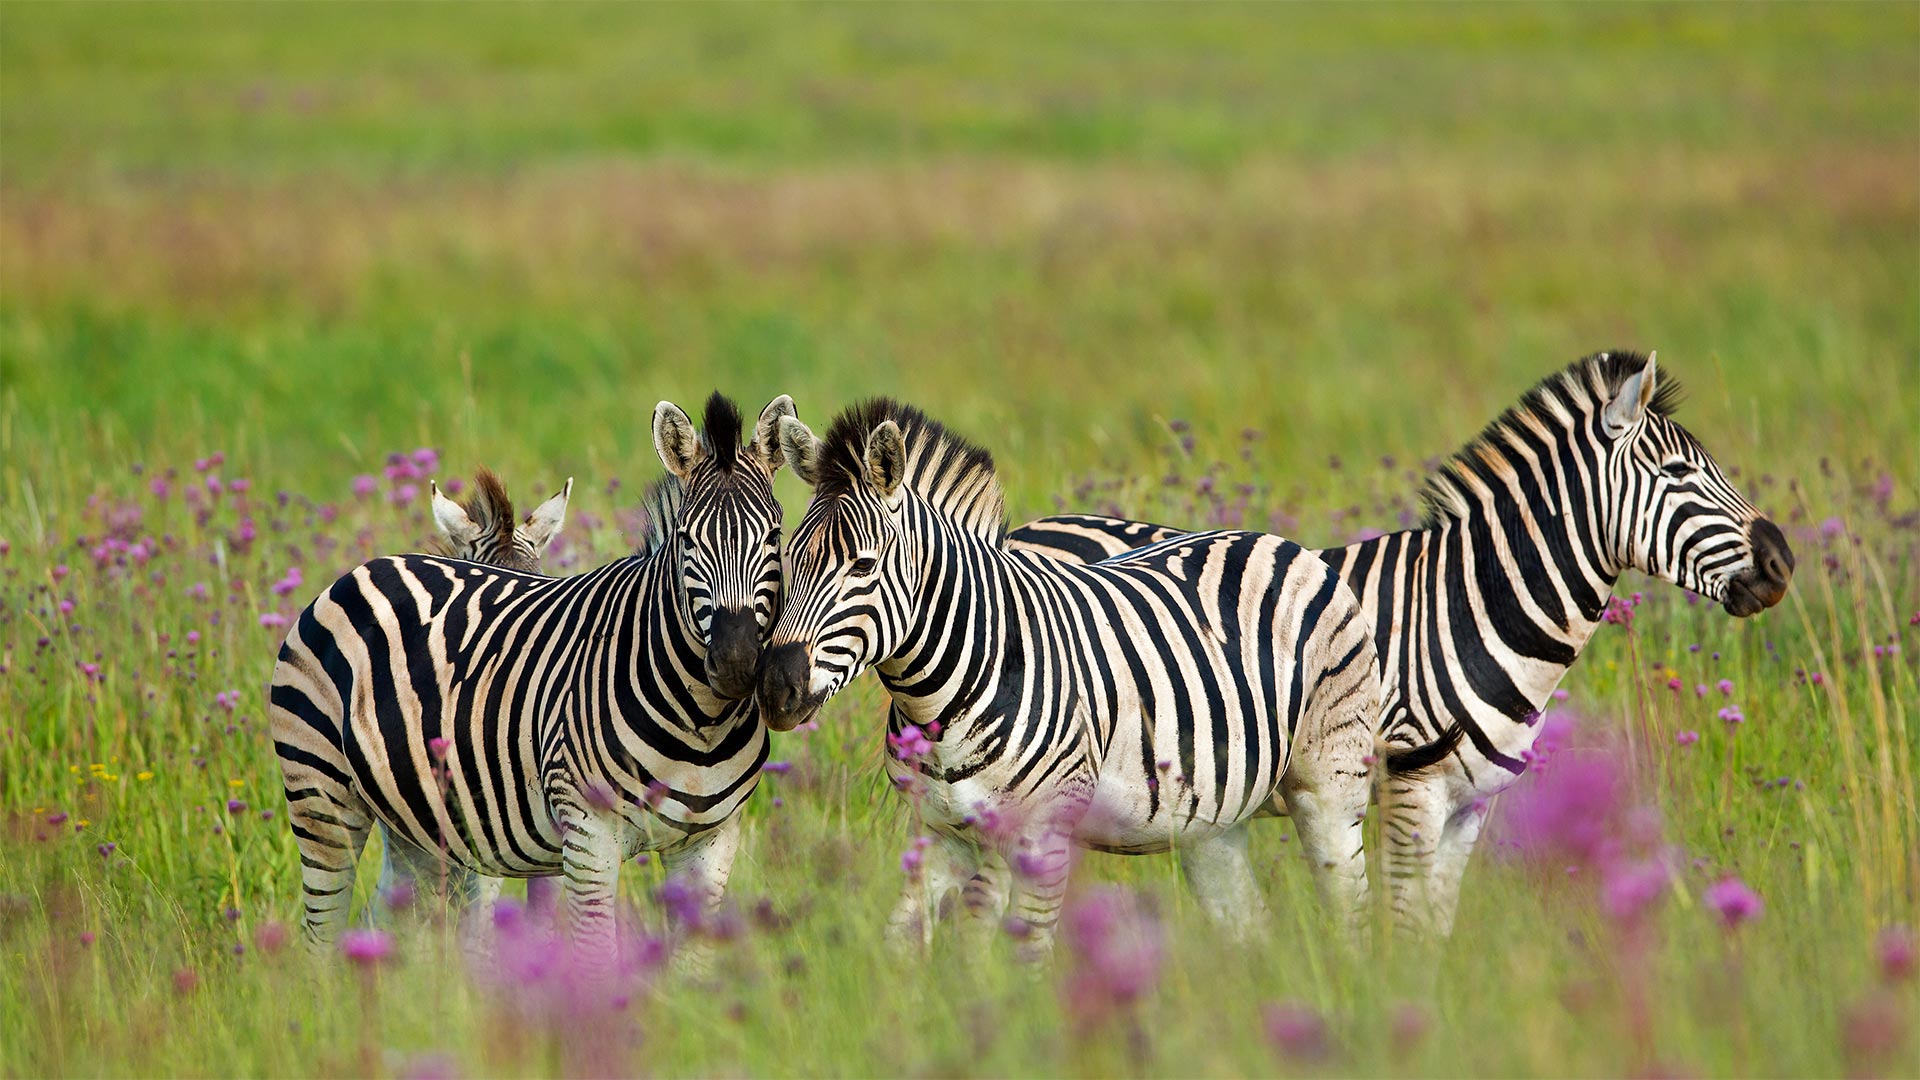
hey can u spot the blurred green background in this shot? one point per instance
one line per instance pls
(297, 233)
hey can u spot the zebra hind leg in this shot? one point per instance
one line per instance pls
(330, 825)
(1222, 880)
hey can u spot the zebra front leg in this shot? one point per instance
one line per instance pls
(1221, 878)
(1330, 817)
(703, 865)
(1040, 864)
(1413, 814)
(1450, 863)
(944, 865)
(590, 859)
(985, 896)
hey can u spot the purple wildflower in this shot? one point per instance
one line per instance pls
(1687, 738)
(1733, 901)
(365, 485)
(1897, 954)
(1117, 947)
(1297, 1031)
(1732, 714)
(366, 948)
(271, 936)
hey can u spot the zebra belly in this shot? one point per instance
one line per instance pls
(491, 818)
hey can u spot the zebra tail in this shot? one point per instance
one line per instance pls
(1413, 760)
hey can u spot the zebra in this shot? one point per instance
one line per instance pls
(523, 726)
(1478, 613)
(484, 531)
(1154, 701)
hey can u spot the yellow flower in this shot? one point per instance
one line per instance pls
(236, 783)
(143, 776)
(74, 769)
(109, 776)
(82, 823)
(98, 767)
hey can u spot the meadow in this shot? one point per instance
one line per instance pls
(264, 270)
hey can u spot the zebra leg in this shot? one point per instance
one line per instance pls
(330, 825)
(985, 895)
(1456, 848)
(590, 858)
(944, 866)
(1221, 878)
(704, 865)
(1328, 804)
(1414, 821)
(1041, 863)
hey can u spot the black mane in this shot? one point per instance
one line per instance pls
(1576, 388)
(720, 430)
(843, 450)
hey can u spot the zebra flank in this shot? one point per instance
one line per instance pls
(1479, 612)
(1156, 700)
(513, 725)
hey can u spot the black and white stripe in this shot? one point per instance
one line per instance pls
(1154, 701)
(1478, 614)
(585, 719)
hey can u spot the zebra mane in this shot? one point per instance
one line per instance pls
(490, 508)
(953, 475)
(1555, 403)
(660, 512)
(720, 431)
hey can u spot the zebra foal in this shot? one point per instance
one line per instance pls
(522, 726)
(1154, 701)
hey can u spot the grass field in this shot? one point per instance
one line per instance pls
(247, 252)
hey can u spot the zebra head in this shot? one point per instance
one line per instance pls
(484, 531)
(1672, 512)
(887, 481)
(725, 532)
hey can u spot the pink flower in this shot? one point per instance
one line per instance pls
(1297, 1031)
(1632, 889)
(1732, 714)
(1687, 738)
(272, 620)
(1733, 902)
(292, 580)
(1117, 947)
(185, 981)
(271, 937)
(366, 948)
(1726, 687)
(910, 744)
(438, 747)
(1897, 954)
(365, 485)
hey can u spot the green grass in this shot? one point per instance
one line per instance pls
(307, 237)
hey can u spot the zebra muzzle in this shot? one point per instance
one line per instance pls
(785, 672)
(733, 653)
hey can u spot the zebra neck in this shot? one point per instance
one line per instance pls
(1493, 607)
(949, 661)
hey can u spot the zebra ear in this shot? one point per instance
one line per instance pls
(674, 438)
(1629, 404)
(886, 459)
(452, 520)
(800, 449)
(766, 433)
(544, 523)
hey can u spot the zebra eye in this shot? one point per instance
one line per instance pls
(863, 566)
(1679, 470)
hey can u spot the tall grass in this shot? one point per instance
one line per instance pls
(1208, 266)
